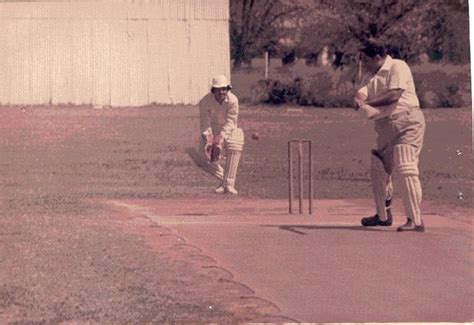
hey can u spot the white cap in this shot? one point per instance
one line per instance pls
(220, 81)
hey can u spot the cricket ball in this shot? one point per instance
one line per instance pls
(255, 136)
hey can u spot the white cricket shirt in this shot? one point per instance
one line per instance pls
(394, 74)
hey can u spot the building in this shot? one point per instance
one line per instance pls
(111, 53)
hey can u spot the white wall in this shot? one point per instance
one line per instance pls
(118, 53)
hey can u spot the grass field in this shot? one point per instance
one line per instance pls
(342, 142)
(68, 255)
(52, 155)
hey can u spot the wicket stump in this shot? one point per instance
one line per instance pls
(300, 175)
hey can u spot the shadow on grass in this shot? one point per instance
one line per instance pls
(197, 156)
(300, 230)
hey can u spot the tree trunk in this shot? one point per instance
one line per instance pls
(237, 63)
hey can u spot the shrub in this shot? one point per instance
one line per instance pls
(281, 92)
(317, 92)
(437, 85)
(443, 85)
(288, 58)
(451, 98)
(314, 86)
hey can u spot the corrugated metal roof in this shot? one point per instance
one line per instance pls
(142, 9)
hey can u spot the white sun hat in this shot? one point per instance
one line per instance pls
(220, 81)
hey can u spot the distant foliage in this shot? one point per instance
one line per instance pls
(256, 27)
(316, 86)
(409, 28)
(443, 85)
(304, 93)
(438, 85)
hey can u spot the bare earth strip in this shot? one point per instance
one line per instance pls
(326, 267)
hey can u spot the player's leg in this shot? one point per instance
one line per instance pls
(234, 147)
(411, 128)
(407, 174)
(382, 189)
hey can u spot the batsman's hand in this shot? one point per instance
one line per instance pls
(359, 100)
(369, 112)
(357, 103)
(205, 135)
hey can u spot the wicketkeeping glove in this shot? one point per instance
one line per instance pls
(213, 148)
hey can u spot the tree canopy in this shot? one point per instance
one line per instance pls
(410, 28)
(257, 26)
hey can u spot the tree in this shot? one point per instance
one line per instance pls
(256, 26)
(407, 26)
(449, 35)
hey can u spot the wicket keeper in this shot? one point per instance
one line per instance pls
(221, 111)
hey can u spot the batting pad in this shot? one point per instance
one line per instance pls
(232, 163)
(235, 144)
(405, 159)
(235, 141)
(406, 167)
(381, 186)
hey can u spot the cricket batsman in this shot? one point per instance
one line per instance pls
(221, 111)
(389, 98)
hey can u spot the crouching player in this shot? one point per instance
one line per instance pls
(221, 111)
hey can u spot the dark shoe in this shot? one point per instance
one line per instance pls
(410, 226)
(375, 221)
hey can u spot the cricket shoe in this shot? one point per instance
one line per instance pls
(220, 190)
(410, 226)
(375, 220)
(230, 189)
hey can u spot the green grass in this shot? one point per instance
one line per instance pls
(342, 143)
(59, 155)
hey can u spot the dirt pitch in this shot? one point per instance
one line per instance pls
(68, 256)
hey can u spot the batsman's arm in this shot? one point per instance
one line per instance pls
(231, 118)
(206, 134)
(204, 119)
(361, 105)
(398, 80)
(390, 97)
